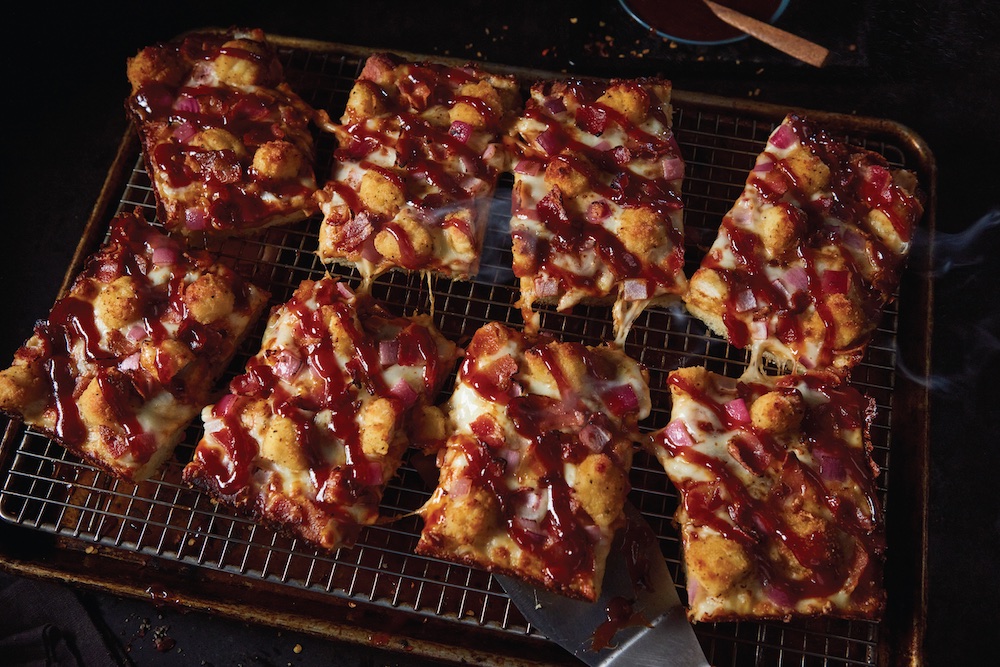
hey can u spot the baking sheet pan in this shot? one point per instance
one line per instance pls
(65, 520)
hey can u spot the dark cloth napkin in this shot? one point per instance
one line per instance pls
(46, 625)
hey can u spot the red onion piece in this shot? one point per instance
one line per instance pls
(635, 289)
(187, 103)
(344, 290)
(460, 130)
(797, 279)
(130, 363)
(597, 211)
(831, 468)
(737, 409)
(621, 400)
(603, 145)
(287, 364)
(459, 487)
(368, 473)
(782, 289)
(673, 168)
(490, 150)
(388, 352)
(195, 219)
(745, 301)
(225, 405)
(555, 105)
(137, 333)
(184, 131)
(594, 437)
(165, 254)
(548, 141)
(546, 286)
(404, 392)
(677, 435)
(783, 137)
(835, 282)
(763, 165)
(758, 330)
(528, 167)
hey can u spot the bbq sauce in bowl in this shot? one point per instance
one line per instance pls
(692, 22)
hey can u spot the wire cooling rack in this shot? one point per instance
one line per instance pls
(45, 489)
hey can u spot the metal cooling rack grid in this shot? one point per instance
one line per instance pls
(49, 490)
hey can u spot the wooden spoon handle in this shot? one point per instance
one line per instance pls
(793, 45)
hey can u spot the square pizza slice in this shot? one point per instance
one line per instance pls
(226, 142)
(779, 513)
(534, 473)
(597, 210)
(309, 435)
(810, 253)
(128, 357)
(420, 151)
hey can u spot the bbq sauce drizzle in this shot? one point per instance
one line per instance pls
(422, 152)
(72, 346)
(859, 182)
(726, 506)
(611, 179)
(253, 114)
(563, 540)
(343, 491)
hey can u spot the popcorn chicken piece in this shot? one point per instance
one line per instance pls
(628, 100)
(642, 230)
(421, 244)
(209, 298)
(380, 194)
(237, 70)
(808, 171)
(94, 408)
(155, 65)
(118, 303)
(779, 231)
(279, 160)
(366, 100)
(565, 173)
(218, 139)
(281, 444)
(472, 113)
(849, 319)
(716, 562)
(378, 427)
(470, 516)
(600, 488)
(166, 360)
(19, 387)
(778, 412)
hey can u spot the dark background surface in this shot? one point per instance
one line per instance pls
(932, 65)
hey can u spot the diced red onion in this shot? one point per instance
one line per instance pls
(187, 103)
(758, 330)
(835, 282)
(195, 219)
(782, 289)
(597, 211)
(745, 301)
(368, 473)
(548, 141)
(184, 131)
(225, 405)
(459, 487)
(831, 468)
(763, 165)
(165, 254)
(737, 409)
(783, 137)
(404, 392)
(490, 150)
(287, 364)
(555, 105)
(130, 363)
(622, 400)
(673, 168)
(345, 290)
(388, 352)
(528, 167)
(593, 532)
(678, 435)
(530, 530)
(460, 130)
(635, 289)
(797, 279)
(854, 240)
(512, 457)
(778, 596)
(594, 437)
(137, 333)
(546, 286)
(602, 145)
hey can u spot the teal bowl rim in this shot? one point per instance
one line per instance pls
(774, 17)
